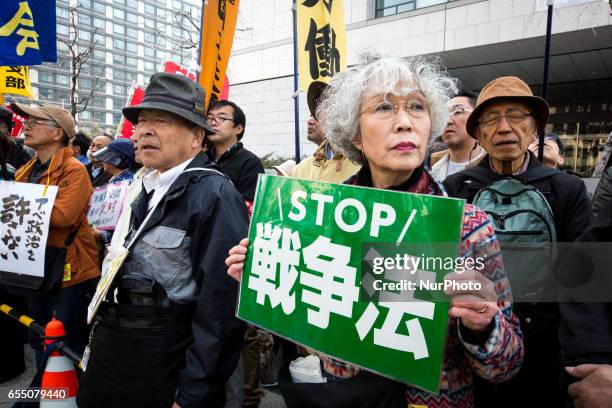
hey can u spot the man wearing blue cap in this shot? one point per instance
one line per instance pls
(165, 332)
(118, 159)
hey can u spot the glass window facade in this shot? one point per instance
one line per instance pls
(581, 115)
(390, 7)
(135, 39)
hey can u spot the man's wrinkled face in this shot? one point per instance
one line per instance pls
(165, 140)
(41, 133)
(137, 157)
(506, 129)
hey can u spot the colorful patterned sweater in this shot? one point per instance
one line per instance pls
(500, 357)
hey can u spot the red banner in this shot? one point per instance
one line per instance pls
(126, 128)
(17, 124)
(225, 90)
(174, 68)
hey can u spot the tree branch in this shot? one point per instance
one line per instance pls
(86, 100)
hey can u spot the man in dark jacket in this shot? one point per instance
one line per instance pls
(242, 167)
(16, 154)
(586, 328)
(507, 118)
(12, 341)
(6, 144)
(603, 194)
(170, 335)
(226, 149)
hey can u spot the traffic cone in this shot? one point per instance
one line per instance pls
(59, 380)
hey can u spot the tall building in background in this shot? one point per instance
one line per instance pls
(131, 39)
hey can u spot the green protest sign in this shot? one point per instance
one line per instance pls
(313, 247)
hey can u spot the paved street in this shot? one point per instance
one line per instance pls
(21, 382)
(271, 399)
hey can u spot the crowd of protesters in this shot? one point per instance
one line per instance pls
(164, 332)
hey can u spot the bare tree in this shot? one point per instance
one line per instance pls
(190, 24)
(79, 57)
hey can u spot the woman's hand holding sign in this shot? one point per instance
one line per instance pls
(474, 299)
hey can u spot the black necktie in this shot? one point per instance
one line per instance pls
(147, 198)
(140, 208)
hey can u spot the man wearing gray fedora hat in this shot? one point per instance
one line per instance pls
(529, 205)
(164, 329)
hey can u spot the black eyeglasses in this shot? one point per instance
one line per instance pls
(217, 119)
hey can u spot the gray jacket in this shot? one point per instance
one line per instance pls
(183, 248)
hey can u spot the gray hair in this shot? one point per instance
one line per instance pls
(340, 105)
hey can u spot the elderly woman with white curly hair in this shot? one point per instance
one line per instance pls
(382, 114)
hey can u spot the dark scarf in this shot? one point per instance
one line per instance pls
(419, 182)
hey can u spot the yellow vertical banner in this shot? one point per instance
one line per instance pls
(218, 25)
(16, 81)
(321, 40)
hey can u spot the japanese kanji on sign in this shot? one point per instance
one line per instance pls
(25, 214)
(15, 80)
(106, 204)
(27, 32)
(321, 40)
(303, 273)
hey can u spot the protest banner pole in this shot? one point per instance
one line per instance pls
(296, 86)
(129, 98)
(545, 79)
(198, 63)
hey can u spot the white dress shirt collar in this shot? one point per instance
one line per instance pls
(161, 182)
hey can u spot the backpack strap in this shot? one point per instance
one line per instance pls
(539, 178)
(204, 169)
(539, 173)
